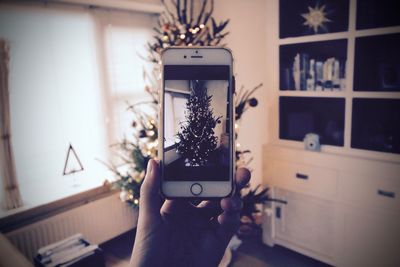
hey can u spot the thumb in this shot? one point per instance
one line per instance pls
(150, 201)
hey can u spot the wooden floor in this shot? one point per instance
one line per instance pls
(252, 253)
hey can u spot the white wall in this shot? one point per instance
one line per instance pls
(248, 28)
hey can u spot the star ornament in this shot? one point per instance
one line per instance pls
(316, 18)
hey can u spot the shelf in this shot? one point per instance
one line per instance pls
(313, 66)
(296, 18)
(377, 13)
(377, 31)
(376, 64)
(339, 151)
(338, 35)
(393, 95)
(314, 38)
(313, 93)
(299, 116)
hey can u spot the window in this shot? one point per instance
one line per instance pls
(176, 96)
(72, 70)
(125, 37)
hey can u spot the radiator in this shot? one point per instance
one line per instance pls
(98, 221)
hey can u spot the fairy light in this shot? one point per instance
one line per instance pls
(236, 126)
(182, 36)
(151, 133)
(136, 201)
(237, 145)
(151, 145)
(202, 26)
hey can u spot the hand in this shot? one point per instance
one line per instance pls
(178, 233)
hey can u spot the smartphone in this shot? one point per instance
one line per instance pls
(196, 133)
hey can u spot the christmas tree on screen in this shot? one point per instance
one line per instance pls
(196, 138)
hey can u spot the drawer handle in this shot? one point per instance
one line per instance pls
(301, 176)
(278, 212)
(386, 193)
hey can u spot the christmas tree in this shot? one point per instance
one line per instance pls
(196, 139)
(179, 26)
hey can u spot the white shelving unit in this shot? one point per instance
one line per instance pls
(348, 94)
(343, 203)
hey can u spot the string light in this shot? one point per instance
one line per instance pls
(136, 201)
(236, 126)
(182, 36)
(201, 26)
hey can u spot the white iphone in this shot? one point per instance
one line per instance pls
(196, 134)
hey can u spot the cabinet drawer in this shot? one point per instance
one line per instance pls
(366, 191)
(371, 239)
(303, 178)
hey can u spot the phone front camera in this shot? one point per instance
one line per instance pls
(184, 56)
(197, 51)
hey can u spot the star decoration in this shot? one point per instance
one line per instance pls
(316, 18)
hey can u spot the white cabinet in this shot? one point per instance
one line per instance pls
(371, 238)
(307, 223)
(340, 210)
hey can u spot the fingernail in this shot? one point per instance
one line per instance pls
(149, 166)
(237, 204)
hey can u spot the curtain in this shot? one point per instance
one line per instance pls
(7, 163)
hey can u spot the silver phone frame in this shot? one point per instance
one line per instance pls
(212, 189)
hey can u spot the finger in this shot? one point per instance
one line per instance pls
(150, 201)
(213, 208)
(209, 208)
(243, 176)
(232, 204)
(177, 208)
(228, 225)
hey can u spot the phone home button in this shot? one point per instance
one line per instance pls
(196, 189)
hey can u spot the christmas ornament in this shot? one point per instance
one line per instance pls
(124, 196)
(253, 102)
(72, 164)
(316, 18)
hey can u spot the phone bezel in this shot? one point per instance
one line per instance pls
(209, 56)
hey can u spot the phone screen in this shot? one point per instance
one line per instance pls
(197, 145)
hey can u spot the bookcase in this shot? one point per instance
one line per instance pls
(354, 67)
(342, 83)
